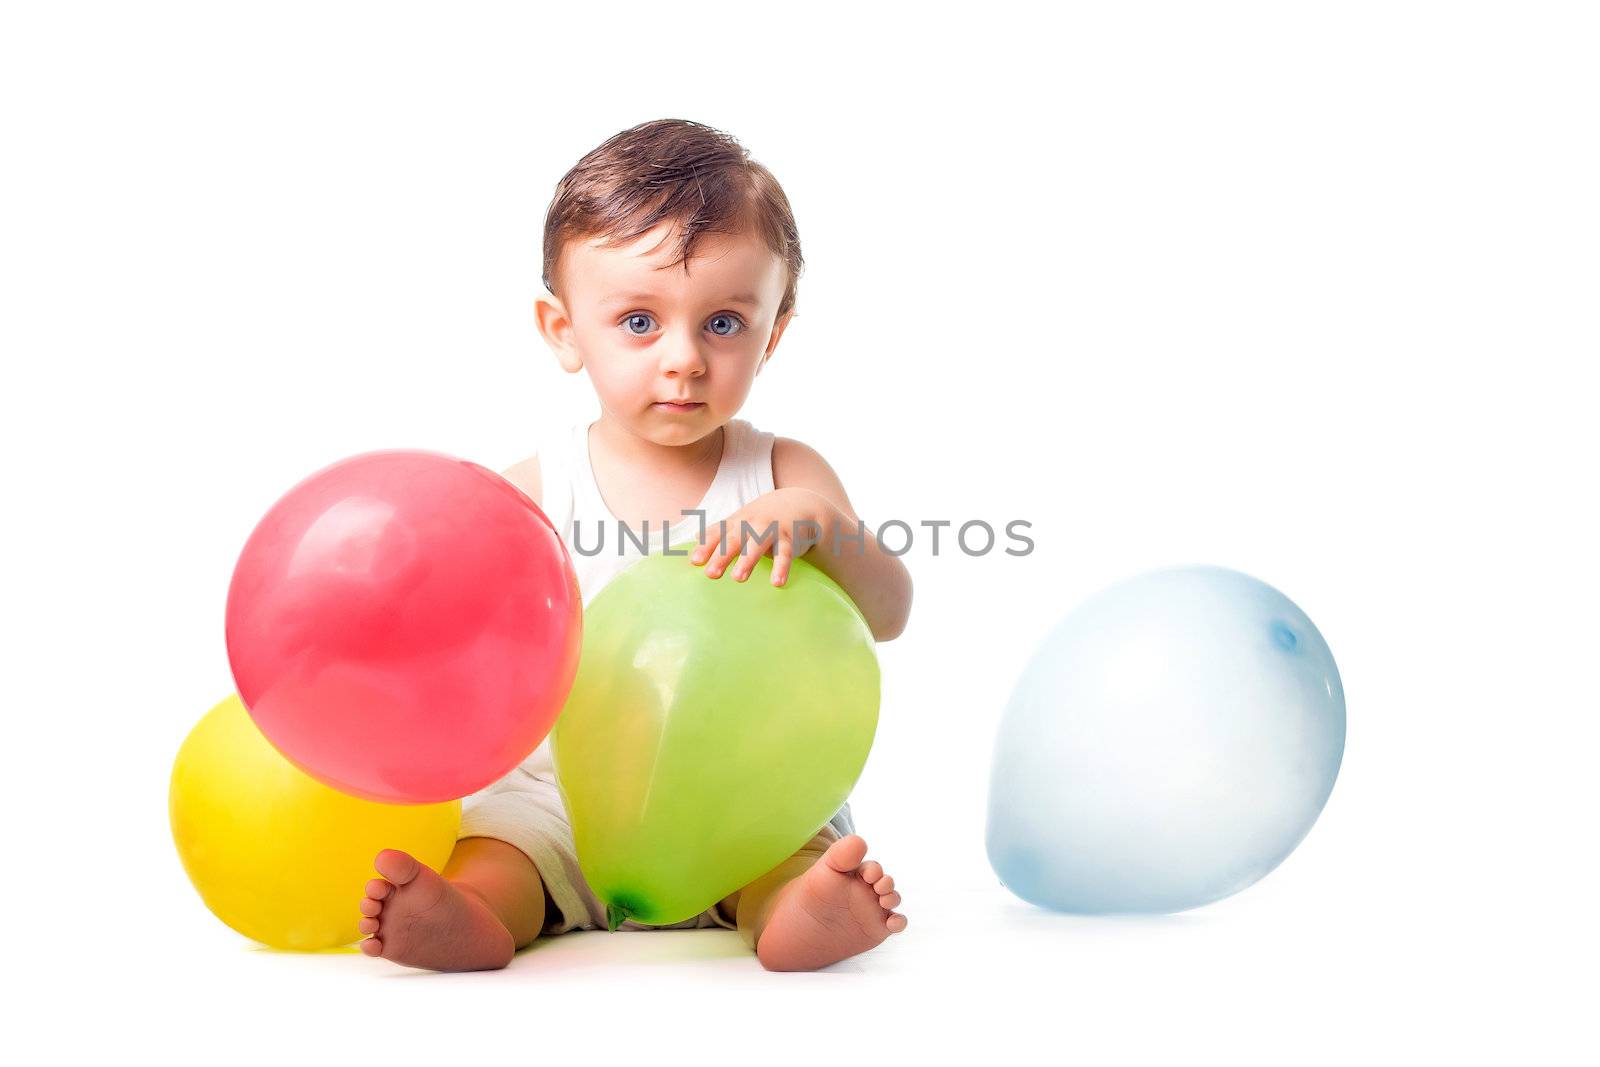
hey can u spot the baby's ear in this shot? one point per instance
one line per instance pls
(556, 326)
(772, 342)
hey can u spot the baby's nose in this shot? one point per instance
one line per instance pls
(681, 357)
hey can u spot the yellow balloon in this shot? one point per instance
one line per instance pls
(274, 853)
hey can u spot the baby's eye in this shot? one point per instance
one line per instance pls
(723, 325)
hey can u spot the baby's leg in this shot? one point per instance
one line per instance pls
(819, 906)
(506, 879)
(488, 902)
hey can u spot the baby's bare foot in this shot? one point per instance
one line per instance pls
(839, 908)
(419, 919)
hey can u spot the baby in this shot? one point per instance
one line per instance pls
(672, 353)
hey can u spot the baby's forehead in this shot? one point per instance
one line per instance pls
(722, 264)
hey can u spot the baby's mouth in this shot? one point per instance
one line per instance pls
(678, 405)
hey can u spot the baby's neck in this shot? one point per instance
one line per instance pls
(639, 479)
(624, 449)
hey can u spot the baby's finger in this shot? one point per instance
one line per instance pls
(780, 561)
(725, 557)
(747, 563)
(725, 550)
(746, 547)
(710, 541)
(732, 563)
(753, 551)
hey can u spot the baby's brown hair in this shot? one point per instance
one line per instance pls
(671, 169)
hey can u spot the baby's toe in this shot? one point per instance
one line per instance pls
(371, 907)
(398, 867)
(883, 885)
(368, 926)
(845, 855)
(871, 871)
(889, 901)
(372, 946)
(377, 888)
(895, 923)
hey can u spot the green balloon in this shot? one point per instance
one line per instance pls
(713, 728)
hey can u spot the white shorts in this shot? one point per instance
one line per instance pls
(524, 809)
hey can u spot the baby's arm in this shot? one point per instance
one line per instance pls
(877, 581)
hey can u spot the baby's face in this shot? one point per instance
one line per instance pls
(652, 336)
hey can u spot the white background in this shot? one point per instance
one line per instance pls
(1309, 291)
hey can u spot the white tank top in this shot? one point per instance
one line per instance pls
(572, 501)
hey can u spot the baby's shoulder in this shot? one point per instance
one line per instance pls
(795, 461)
(791, 453)
(797, 464)
(524, 474)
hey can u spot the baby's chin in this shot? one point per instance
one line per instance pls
(665, 427)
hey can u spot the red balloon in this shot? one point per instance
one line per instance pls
(404, 626)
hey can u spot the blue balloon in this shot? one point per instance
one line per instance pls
(1170, 743)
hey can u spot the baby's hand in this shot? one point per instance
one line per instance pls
(778, 521)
